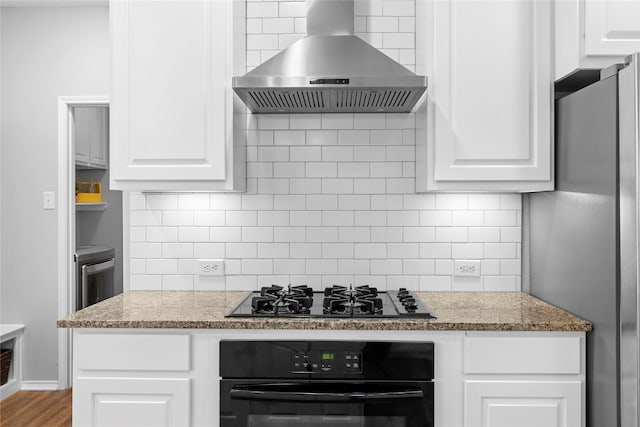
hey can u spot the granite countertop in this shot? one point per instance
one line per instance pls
(487, 311)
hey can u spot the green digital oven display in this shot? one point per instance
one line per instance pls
(327, 356)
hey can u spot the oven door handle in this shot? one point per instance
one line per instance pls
(253, 394)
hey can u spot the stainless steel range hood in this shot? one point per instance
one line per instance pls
(330, 71)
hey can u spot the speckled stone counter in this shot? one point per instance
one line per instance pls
(487, 311)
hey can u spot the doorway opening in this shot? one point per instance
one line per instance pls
(89, 214)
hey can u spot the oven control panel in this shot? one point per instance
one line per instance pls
(325, 362)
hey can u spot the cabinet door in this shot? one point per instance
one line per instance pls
(98, 150)
(170, 112)
(523, 404)
(90, 136)
(612, 27)
(131, 402)
(594, 33)
(486, 123)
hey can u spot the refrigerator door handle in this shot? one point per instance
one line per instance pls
(629, 120)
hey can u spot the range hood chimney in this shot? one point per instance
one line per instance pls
(330, 71)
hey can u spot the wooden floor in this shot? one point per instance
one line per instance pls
(37, 409)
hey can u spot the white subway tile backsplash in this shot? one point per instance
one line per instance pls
(330, 197)
(451, 201)
(386, 202)
(162, 266)
(210, 218)
(276, 25)
(178, 282)
(402, 218)
(369, 186)
(257, 234)
(273, 250)
(354, 234)
(337, 250)
(467, 250)
(322, 234)
(305, 154)
(305, 186)
(145, 250)
(367, 7)
(138, 266)
(500, 218)
(273, 218)
(225, 234)
(142, 218)
(305, 250)
(500, 250)
(386, 266)
(137, 234)
(370, 218)
(289, 234)
(322, 137)
(354, 137)
(251, 202)
(435, 283)
(484, 234)
(322, 266)
(322, 202)
(289, 266)
(386, 234)
(262, 9)
(162, 234)
(208, 250)
(178, 218)
(262, 41)
(467, 218)
(145, 282)
(391, 137)
(162, 202)
(419, 234)
(241, 218)
(418, 266)
(289, 137)
(337, 121)
(369, 121)
(382, 24)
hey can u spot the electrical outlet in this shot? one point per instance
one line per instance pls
(211, 267)
(466, 268)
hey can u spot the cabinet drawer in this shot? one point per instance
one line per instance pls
(522, 355)
(132, 352)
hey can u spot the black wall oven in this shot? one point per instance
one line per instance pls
(326, 384)
(94, 275)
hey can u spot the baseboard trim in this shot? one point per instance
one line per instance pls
(39, 385)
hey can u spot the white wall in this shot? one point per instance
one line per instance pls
(330, 197)
(46, 53)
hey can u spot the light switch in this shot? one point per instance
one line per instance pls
(49, 200)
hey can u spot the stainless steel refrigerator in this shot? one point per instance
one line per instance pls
(583, 237)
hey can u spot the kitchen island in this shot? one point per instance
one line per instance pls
(501, 358)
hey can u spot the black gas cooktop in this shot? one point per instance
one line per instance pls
(335, 301)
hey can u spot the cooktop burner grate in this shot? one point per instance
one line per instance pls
(335, 301)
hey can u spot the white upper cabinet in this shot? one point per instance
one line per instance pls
(595, 33)
(486, 122)
(172, 106)
(90, 137)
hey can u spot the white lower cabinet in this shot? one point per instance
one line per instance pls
(131, 402)
(524, 380)
(523, 403)
(166, 377)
